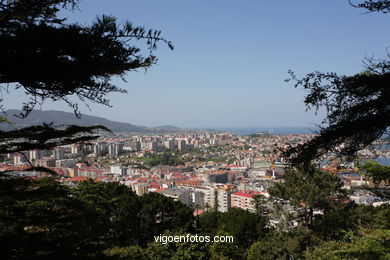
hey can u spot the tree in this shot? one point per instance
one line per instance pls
(374, 6)
(39, 218)
(376, 172)
(115, 217)
(344, 217)
(177, 251)
(351, 102)
(208, 222)
(244, 226)
(129, 253)
(53, 60)
(260, 202)
(225, 251)
(188, 251)
(279, 244)
(43, 137)
(370, 244)
(309, 189)
(358, 106)
(266, 250)
(159, 214)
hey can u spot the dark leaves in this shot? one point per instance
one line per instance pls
(53, 61)
(45, 137)
(358, 110)
(374, 6)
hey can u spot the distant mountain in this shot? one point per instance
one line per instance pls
(168, 127)
(64, 118)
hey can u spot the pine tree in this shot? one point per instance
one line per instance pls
(52, 60)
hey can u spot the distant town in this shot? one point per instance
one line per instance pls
(204, 170)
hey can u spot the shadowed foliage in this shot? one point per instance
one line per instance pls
(44, 137)
(309, 188)
(373, 6)
(53, 60)
(358, 110)
(357, 106)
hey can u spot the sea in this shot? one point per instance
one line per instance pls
(268, 130)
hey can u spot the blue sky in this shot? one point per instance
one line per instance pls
(231, 59)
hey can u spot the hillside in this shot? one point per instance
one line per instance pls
(64, 118)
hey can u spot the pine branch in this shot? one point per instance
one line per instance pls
(44, 137)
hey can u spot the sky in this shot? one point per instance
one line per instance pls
(231, 58)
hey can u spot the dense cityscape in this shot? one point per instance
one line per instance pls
(203, 170)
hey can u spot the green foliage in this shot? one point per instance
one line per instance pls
(309, 188)
(44, 217)
(129, 253)
(358, 113)
(115, 207)
(4, 120)
(53, 60)
(265, 250)
(177, 251)
(344, 217)
(376, 171)
(208, 222)
(225, 251)
(280, 245)
(259, 202)
(245, 227)
(189, 251)
(41, 218)
(370, 244)
(165, 158)
(123, 218)
(160, 251)
(159, 214)
(221, 159)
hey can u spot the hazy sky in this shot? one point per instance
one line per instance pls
(231, 59)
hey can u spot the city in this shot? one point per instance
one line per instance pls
(203, 170)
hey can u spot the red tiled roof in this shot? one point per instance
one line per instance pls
(198, 212)
(247, 194)
(160, 189)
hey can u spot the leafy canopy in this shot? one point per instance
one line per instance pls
(54, 60)
(51, 59)
(358, 110)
